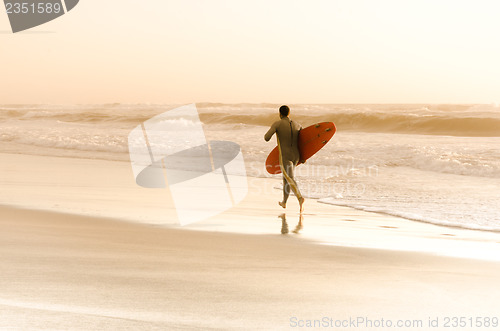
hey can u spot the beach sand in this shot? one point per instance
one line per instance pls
(125, 264)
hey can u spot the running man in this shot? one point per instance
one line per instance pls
(287, 133)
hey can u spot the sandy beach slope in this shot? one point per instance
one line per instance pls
(64, 271)
(68, 271)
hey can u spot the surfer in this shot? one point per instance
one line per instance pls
(287, 132)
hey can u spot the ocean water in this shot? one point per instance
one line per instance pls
(430, 163)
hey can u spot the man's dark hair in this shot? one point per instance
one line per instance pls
(284, 111)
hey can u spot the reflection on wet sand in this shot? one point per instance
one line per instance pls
(284, 224)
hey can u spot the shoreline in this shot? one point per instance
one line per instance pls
(78, 272)
(100, 188)
(125, 162)
(415, 219)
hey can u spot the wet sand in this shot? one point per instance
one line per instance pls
(68, 271)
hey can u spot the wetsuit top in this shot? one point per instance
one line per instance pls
(288, 134)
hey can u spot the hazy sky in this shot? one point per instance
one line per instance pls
(286, 51)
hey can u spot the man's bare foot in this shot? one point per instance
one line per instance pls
(282, 204)
(301, 204)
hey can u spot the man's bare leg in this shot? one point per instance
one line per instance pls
(301, 204)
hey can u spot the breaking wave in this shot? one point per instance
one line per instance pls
(377, 122)
(452, 120)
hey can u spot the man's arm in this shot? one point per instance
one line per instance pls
(271, 131)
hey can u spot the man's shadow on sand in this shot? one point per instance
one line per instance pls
(284, 224)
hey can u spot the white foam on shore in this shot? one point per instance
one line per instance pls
(408, 216)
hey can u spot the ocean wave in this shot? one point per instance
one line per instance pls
(411, 216)
(88, 116)
(451, 120)
(475, 164)
(454, 120)
(376, 122)
(108, 114)
(417, 124)
(61, 136)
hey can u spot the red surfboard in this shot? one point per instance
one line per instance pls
(311, 140)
